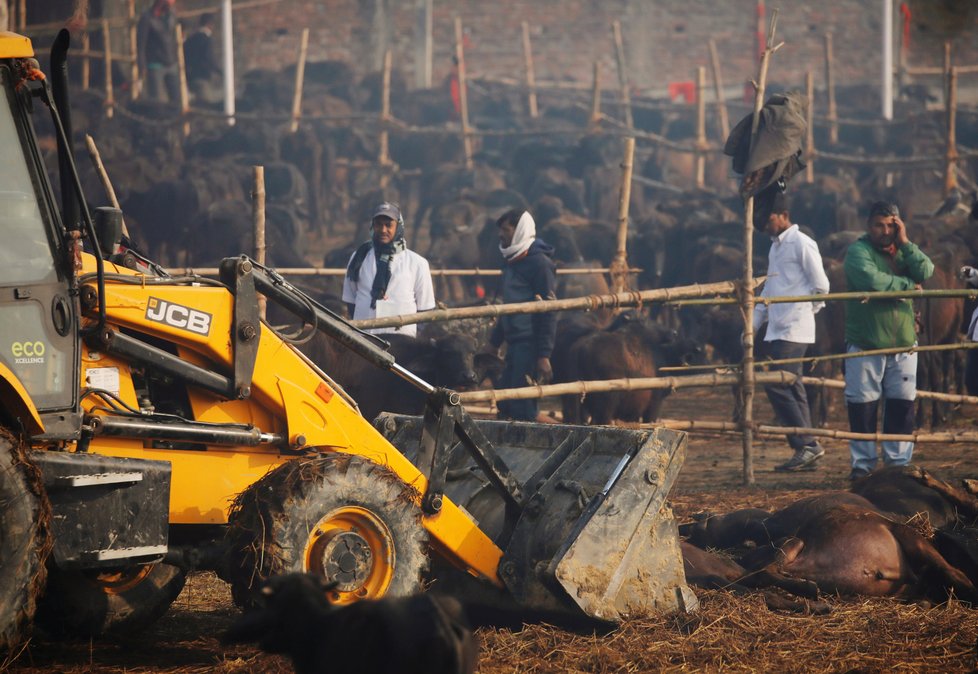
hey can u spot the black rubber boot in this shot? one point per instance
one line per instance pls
(898, 417)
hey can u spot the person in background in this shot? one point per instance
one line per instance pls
(156, 40)
(881, 260)
(384, 278)
(794, 268)
(529, 273)
(202, 69)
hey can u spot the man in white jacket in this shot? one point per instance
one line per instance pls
(794, 268)
(384, 278)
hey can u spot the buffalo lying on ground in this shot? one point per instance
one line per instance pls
(404, 635)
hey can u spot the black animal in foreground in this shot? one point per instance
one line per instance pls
(421, 634)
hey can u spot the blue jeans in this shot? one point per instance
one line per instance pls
(868, 379)
(521, 362)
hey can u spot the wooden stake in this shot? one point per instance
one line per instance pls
(103, 176)
(619, 265)
(86, 65)
(700, 127)
(595, 120)
(300, 74)
(462, 95)
(947, 70)
(950, 168)
(109, 96)
(22, 15)
(258, 222)
(718, 92)
(626, 99)
(810, 128)
(747, 298)
(134, 85)
(830, 89)
(384, 157)
(182, 72)
(530, 75)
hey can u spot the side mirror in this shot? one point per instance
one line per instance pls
(108, 229)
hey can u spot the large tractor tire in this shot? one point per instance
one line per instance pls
(108, 603)
(24, 540)
(342, 517)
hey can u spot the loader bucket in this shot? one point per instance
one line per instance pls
(594, 534)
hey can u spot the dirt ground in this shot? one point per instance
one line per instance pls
(728, 633)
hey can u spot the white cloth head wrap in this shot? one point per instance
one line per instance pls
(525, 234)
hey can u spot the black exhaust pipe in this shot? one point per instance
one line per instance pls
(70, 209)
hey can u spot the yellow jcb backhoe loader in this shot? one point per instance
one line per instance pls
(151, 425)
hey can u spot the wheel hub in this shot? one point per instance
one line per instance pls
(347, 560)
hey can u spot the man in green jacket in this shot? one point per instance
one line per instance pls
(883, 259)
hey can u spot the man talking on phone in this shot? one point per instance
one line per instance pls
(882, 260)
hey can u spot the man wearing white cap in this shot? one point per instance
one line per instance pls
(528, 273)
(384, 278)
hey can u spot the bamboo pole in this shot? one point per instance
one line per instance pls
(103, 176)
(107, 46)
(747, 298)
(22, 15)
(810, 128)
(718, 92)
(590, 303)
(946, 70)
(700, 174)
(86, 65)
(341, 271)
(530, 74)
(626, 97)
(728, 427)
(830, 89)
(384, 155)
(300, 75)
(951, 156)
(595, 120)
(619, 265)
(462, 94)
(182, 73)
(134, 81)
(258, 222)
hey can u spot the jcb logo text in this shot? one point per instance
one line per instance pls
(178, 316)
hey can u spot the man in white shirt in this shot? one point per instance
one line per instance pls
(384, 278)
(794, 268)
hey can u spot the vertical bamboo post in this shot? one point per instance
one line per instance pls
(595, 97)
(531, 80)
(810, 128)
(86, 66)
(103, 175)
(947, 71)
(300, 75)
(718, 92)
(901, 61)
(619, 265)
(626, 99)
(258, 222)
(700, 127)
(747, 300)
(182, 72)
(830, 89)
(107, 46)
(22, 15)
(133, 51)
(384, 157)
(951, 157)
(423, 51)
(462, 94)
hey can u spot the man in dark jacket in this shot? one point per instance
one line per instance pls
(528, 274)
(202, 69)
(156, 40)
(883, 259)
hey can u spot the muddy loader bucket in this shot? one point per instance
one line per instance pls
(592, 532)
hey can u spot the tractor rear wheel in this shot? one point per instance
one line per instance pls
(23, 540)
(342, 517)
(108, 603)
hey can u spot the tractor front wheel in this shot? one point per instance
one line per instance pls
(342, 517)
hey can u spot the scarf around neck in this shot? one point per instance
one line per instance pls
(384, 252)
(523, 238)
